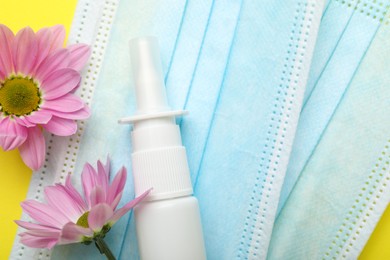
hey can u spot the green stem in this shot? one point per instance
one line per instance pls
(103, 248)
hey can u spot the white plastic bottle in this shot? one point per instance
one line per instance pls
(168, 223)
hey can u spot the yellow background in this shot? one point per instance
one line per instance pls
(15, 176)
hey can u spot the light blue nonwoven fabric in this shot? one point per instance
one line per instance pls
(342, 190)
(240, 68)
(346, 32)
(234, 124)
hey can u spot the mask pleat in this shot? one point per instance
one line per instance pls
(329, 81)
(342, 190)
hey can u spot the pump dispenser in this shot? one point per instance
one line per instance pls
(168, 223)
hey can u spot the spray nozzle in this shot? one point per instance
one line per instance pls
(148, 75)
(149, 81)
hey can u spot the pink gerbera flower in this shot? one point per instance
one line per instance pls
(69, 218)
(37, 81)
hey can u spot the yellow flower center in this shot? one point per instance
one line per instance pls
(19, 96)
(83, 220)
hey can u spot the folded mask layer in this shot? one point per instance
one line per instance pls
(240, 67)
(346, 32)
(242, 120)
(343, 188)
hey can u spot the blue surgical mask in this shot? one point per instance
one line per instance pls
(346, 32)
(336, 187)
(244, 100)
(243, 83)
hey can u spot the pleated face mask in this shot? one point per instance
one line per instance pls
(336, 185)
(239, 67)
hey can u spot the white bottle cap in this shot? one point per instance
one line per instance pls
(159, 158)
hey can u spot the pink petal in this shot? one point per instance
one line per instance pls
(44, 214)
(2, 75)
(12, 135)
(49, 40)
(44, 40)
(59, 34)
(97, 196)
(102, 176)
(107, 166)
(54, 233)
(66, 103)
(72, 233)
(99, 215)
(79, 114)
(70, 189)
(114, 203)
(6, 39)
(61, 126)
(59, 59)
(88, 177)
(39, 117)
(116, 188)
(22, 120)
(33, 149)
(33, 226)
(24, 50)
(59, 199)
(79, 54)
(122, 211)
(59, 83)
(38, 242)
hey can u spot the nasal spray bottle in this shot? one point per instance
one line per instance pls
(168, 223)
